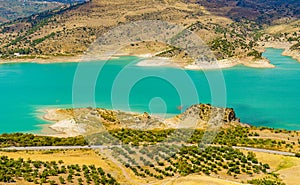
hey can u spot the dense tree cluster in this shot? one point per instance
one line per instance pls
(237, 136)
(20, 139)
(267, 181)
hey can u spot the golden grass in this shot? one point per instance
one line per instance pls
(196, 180)
(290, 176)
(284, 28)
(286, 162)
(287, 167)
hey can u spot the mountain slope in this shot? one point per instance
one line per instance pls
(71, 29)
(261, 11)
(13, 9)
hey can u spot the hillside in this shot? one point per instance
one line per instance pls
(261, 11)
(70, 30)
(11, 10)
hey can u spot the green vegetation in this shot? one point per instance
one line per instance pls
(270, 180)
(223, 46)
(286, 163)
(52, 172)
(296, 46)
(157, 154)
(164, 160)
(163, 153)
(237, 136)
(234, 39)
(20, 139)
(170, 52)
(108, 115)
(255, 53)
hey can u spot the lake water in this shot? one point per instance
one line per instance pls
(261, 97)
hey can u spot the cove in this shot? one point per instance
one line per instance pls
(260, 97)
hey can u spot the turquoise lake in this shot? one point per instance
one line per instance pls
(261, 97)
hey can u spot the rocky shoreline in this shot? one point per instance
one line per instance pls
(151, 60)
(74, 122)
(281, 45)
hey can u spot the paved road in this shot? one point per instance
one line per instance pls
(103, 147)
(265, 151)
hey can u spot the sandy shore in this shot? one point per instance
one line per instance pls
(68, 127)
(43, 60)
(63, 126)
(220, 64)
(155, 61)
(259, 63)
(150, 60)
(59, 59)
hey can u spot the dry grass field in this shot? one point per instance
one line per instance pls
(288, 168)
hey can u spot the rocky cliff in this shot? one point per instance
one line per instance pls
(203, 116)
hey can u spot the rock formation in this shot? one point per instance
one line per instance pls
(93, 120)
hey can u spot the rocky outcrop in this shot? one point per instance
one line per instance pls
(205, 115)
(96, 119)
(205, 112)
